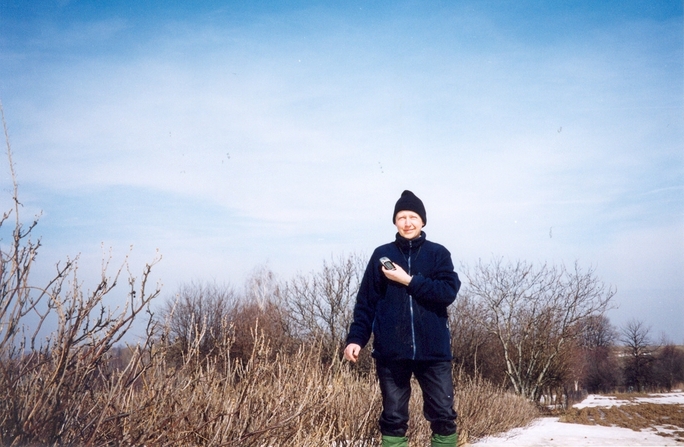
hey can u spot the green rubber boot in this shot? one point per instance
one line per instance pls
(394, 441)
(444, 441)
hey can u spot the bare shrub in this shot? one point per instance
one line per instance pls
(50, 384)
(272, 399)
(485, 409)
(273, 322)
(475, 349)
(261, 305)
(321, 303)
(197, 307)
(534, 313)
(601, 369)
(669, 366)
(214, 314)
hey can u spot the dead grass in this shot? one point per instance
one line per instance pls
(642, 416)
(483, 410)
(629, 397)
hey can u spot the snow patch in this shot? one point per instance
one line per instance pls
(549, 431)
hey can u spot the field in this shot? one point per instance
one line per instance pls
(618, 420)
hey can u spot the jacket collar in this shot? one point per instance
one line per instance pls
(405, 244)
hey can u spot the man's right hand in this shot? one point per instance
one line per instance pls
(351, 352)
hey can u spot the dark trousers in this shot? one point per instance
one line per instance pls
(437, 385)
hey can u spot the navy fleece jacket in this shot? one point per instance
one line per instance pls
(408, 322)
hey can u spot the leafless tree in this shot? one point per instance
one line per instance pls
(321, 303)
(207, 318)
(534, 312)
(601, 371)
(669, 365)
(639, 355)
(198, 312)
(261, 311)
(262, 287)
(476, 351)
(597, 332)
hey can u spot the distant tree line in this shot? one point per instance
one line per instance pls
(547, 327)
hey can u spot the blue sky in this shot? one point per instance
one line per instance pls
(232, 135)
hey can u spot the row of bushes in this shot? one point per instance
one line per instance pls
(148, 395)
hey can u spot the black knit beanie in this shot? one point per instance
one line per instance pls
(409, 202)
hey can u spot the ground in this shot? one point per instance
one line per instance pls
(655, 420)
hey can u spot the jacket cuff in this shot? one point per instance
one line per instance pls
(414, 284)
(357, 342)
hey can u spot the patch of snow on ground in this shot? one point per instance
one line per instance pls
(676, 397)
(549, 431)
(595, 400)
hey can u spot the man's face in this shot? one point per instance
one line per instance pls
(409, 224)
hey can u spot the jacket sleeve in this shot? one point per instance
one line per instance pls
(364, 310)
(442, 285)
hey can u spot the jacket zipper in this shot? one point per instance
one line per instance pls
(413, 329)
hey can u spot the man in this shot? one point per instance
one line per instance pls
(405, 307)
